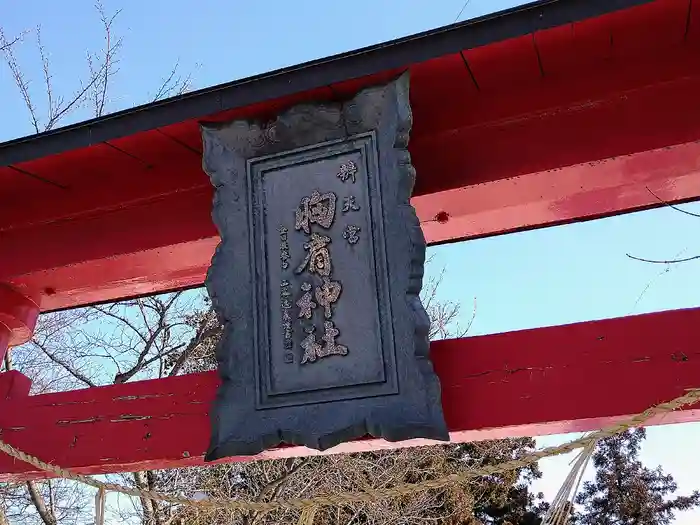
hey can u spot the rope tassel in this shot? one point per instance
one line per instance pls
(563, 503)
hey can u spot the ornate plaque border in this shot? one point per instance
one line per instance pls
(366, 144)
(239, 425)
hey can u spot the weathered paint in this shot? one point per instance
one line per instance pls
(571, 123)
(530, 382)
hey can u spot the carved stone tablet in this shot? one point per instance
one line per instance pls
(317, 278)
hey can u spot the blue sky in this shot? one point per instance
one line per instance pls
(545, 277)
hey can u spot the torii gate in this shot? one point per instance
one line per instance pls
(550, 113)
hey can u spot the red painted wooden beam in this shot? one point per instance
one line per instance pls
(564, 147)
(576, 193)
(14, 385)
(128, 259)
(554, 380)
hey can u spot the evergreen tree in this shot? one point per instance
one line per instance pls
(625, 492)
(507, 497)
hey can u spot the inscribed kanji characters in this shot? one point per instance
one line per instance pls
(318, 260)
(316, 209)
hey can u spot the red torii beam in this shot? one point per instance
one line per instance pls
(559, 123)
(531, 382)
(546, 114)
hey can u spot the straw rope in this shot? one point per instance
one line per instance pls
(308, 505)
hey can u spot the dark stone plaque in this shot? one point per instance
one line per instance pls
(317, 278)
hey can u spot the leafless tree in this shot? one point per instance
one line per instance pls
(155, 337)
(151, 337)
(54, 501)
(168, 335)
(93, 91)
(7, 43)
(303, 477)
(143, 338)
(64, 353)
(500, 495)
(444, 315)
(50, 502)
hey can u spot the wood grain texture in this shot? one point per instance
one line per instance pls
(552, 380)
(501, 142)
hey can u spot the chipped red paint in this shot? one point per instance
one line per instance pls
(571, 123)
(580, 192)
(14, 385)
(530, 382)
(183, 246)
(18, 316)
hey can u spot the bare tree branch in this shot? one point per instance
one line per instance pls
(147, 505)
(471, 321)
(270, 491)
(443, 314)
(173, 84)
(47, 517)
(20, 81)
(57, 107)
(208, 328)
(61, 110)
(108, 63)
(5, 43)
(45, 68)
(67, 367)
(652, 281)
(162, 309)
(122, 319)
(102, 67)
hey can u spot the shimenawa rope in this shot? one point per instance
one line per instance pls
(307, 505)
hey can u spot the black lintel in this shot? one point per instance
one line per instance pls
(403, 52)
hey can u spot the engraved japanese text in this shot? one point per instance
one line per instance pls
(351, 233)
(284, 247)
(315, 209)
(347, 171)
(349, 204)
(285, 295)
(320, 290)
(318, 258)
